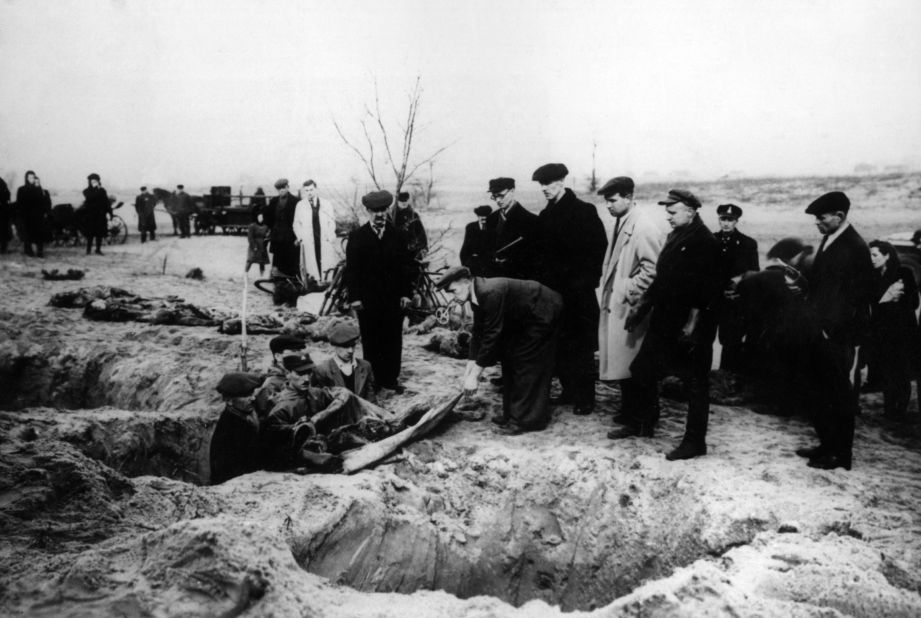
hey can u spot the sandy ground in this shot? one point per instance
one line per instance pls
(106, 438)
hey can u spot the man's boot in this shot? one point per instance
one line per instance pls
(633, 430)
(687, 450)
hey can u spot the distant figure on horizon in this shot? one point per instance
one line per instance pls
(97, 210)
(257, 236)
(182, 210)
(30, 207)
(144, 204)
(315, 230)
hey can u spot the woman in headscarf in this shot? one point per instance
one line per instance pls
(97, 210)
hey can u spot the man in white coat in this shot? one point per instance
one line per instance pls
(629, 268)
(315, 229)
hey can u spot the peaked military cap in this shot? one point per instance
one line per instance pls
(482, 211)
(281, 183)
(621, 185)
(93, 176)
(729, 210)
(239, 384)
(377, 200)
(549, 173)
(282, 343)
(830, 202)
(501, 184)
(681, 195)
(451, 275)
(298, 363)
(344, 334)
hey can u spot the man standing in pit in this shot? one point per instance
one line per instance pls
(629, 269)
(680, 337)
(574, 241)
(738, 254)
(144, 205)
(379, 275)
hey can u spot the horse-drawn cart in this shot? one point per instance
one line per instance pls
(222, 210)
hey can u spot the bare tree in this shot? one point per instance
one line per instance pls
(380, 140)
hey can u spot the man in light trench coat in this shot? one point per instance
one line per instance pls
(629, 269)
(315, 230)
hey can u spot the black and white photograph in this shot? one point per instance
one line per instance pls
(508, 308)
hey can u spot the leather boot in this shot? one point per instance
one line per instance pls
(687, 450)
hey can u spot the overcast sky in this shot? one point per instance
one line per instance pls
(225, 92)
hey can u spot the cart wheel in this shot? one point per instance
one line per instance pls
(442, 316)
(118, 231)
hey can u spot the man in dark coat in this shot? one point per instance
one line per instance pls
(343, 369)
(6, 232)
(515, 322)
(97, 210)
(410, 227)
(515, 235)
(574, 243)
(144, 204)
(182, 209)
(279, 216)
(840, 294)
(738, 254)
(30, 207)
(379, 275)
(680, 336)
(477, 249)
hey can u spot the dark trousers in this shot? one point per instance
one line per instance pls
(835, 403)
(89, 244)
(184, 226)
(575, 356)
(660, 356)
(527, 371)
(382, 341)
(153, 235)
(731, 331)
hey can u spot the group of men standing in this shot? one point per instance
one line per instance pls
(660, 301)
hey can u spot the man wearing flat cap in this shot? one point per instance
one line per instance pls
(574, 244)
(476, 251)
(379, 275)
(516, 323)
(408, 223)
(738, 255)
(515, 234)
(680, 336)
(144, 205)
(343, 369)
(181, 208)
(235, 439)
(629, 269)
(840, 293)
(279, 217)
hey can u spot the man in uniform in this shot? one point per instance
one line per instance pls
(841, 288)
(379, 275)
(680, 336)
(629, 269)
(315, 231)
(515, 322)
(738, 254)
(144, 205)
(279, 216)
(476, 251)
(574, 244)
(516, 234)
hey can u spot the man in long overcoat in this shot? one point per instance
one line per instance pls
(144, 204)
(738, 254)
(30, 207)
(629, 269)
(515, 234)
(515, 322)
(379, 275)
(479, 244)
(97, 211)
(279, 216)
(680, 336)
(315, 229)
(574, 247)
(840, 294)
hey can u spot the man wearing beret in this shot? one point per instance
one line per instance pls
(144, 205)
(738, 254)
(515, 234)
(343, 369)
(476, 251)
(840, 293)
(408, 223)
(279, 217)
(680, 336)
(516, 323)
(379, 275)
(629, 269)
(235, 439)
(574, 244)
